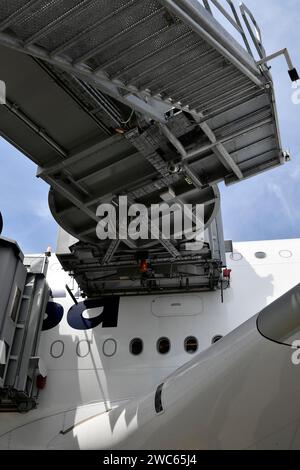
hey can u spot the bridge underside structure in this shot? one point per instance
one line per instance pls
(139, 99)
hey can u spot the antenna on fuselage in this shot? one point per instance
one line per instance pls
(71, 294)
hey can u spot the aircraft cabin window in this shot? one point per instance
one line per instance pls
(109, 347)
(191, 344)
(285, 254)
(136, 346)
(57, 349)
(163, 345)
(216, 339)
(260, 255)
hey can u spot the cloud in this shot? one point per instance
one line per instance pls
(283, 207)
(40, 209)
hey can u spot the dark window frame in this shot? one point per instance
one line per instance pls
(158, 343)
(194, 339)
(141, 345)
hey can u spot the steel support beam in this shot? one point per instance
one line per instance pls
(98, 173)
(63, 189)
(74, 95)
(15, 109)
(198, 151)
(220, 150)
(254, 171)
(181, 150)
(174, 141)
(77, 156)
(110, 252)
(151, 107)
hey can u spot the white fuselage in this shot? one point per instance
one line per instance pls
(92, 376)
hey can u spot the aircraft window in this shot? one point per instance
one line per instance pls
(260, 255)
(157, 401)
(136, 346)
(83, 348)
(216, 339)
(163, 345)
(236, 256)
(191, 344)
(109, 347)
(57, 349)
(285, 254)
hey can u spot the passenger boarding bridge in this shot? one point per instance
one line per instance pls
(138, 98)
(149, 99)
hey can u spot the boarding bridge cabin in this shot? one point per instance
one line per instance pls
(150, 99)
(23, 301)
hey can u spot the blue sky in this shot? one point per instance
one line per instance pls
(265, 207)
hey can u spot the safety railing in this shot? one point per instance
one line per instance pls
(233, 16)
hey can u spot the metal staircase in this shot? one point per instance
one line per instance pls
(137, 98)
(24, 300)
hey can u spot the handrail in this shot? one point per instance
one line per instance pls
(257, 37)
(253, 31)
(235, 21)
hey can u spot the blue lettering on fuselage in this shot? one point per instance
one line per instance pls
(108, 314)
(54, 314)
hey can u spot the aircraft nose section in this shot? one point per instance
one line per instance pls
(280, 321)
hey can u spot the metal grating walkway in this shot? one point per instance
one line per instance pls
(154, 48)
(90, 82)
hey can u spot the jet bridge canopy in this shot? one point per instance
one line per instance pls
(131, 97)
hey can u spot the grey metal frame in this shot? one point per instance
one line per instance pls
(186, 98)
